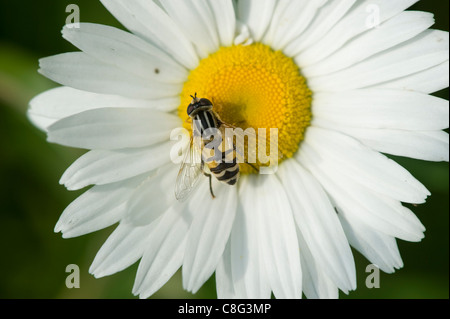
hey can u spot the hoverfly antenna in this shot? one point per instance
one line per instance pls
(194, 97)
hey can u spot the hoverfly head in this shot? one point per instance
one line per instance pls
(198, 105)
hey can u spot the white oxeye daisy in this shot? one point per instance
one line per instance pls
(341, 82)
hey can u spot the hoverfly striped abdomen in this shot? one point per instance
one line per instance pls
(224, 166)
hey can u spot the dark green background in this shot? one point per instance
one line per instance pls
(33, 258)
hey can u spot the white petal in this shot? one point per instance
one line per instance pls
(153, 197)
(327, 17)
(363, 165)
(196, 21)
(164, 255)
(257, 15)
(390, 33)
(278, 238)
(243, 36)
(208, 235)
(98, 208)
(425, 51)
(113, 128)
(290, 20)
(41, 122)
(356, 201)
(125, 51)
(249, 276)
(128, 19)
(280, 10)
(316, 283)
(354, 23)
(428, 81)
(380, 249)
(319, 226)
(225, 19)
(101, 167)
(80, 71)
(428, 146)
(122, 249)
(58, 103)
(296, 21)
(149, 20)
(381, 109)
(224, 276)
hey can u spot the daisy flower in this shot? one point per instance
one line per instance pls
(344, 82)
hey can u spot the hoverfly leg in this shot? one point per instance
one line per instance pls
(210, 184)
(210, 180)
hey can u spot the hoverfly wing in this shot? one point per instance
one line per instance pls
(190, 171)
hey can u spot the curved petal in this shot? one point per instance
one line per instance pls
(389, 34)
(428, 146)
(224, 275)
(361, 164)
(127, 18)
(425, 51)
(196, 21)
(208, 236)
(164, 256)
(101, 167)
(353, 24)
(256, 14)
(327, 17)
(278, 237)
(377, 247)
(289, 21)
(316, 283)
(125, 51)
(247, 266)
(58, 103)
(80, 71)
(153, 197)
(150, 21)
(320, 228)
(98, 208)
(225, 19)
(381, 109)
(356, 201)
(427, 81)
(122, 249)
(113, 128)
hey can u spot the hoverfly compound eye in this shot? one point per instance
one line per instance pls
(205, 102)
(190, 108)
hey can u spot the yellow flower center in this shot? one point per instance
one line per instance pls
(253, 86)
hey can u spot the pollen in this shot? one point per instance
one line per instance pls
(253, 86)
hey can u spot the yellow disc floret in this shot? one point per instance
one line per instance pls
(253, 86)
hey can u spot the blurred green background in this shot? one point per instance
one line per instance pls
(34, 258)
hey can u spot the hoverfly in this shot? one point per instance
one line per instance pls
(221, 157)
